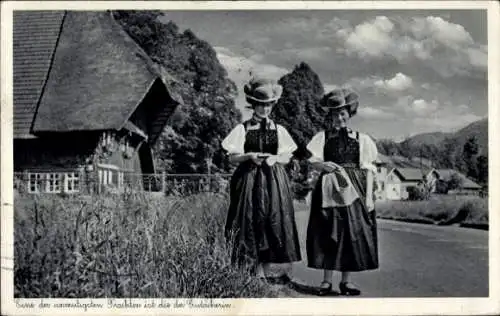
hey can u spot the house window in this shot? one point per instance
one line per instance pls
(72, 182)
(120, 179)
(106, 177)
(110, 177)
(35, 182)
(53, 183)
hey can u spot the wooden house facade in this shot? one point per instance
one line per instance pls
(89, 103)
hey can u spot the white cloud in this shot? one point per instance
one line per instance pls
(449, 34)
(375, 113)
(308, 53)
(478, 57)
(369, 39)
(403, 102)
(463, 108)
(426, 86)
(444, 46)
(422, 107)
(431, 116)
(444, 121)
(329, 87)
(362, 83)
(399, 82)
(240, 69)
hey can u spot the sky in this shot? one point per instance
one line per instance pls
(416, 71)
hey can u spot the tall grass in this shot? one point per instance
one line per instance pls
(126, 246)
(440, 209)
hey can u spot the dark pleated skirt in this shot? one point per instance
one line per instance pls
(342, 238)
(261, 221)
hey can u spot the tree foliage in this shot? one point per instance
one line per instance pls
(455, 182)
(297, 110)
(482, 169)
(470, 151)
(195, 131)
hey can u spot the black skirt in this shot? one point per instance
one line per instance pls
(342, 238)
(261, 221)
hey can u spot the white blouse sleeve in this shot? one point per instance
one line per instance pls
(368, 152)
(316, 146)
(286, 145)
(235, 140)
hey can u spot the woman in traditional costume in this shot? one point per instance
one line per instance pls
(261, 221)
(342, 231)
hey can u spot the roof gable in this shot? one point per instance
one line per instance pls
(35, 35)
(79, 71)
(412, 174)
(97, 79)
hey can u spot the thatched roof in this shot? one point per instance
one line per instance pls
(96, 79)
(35, 36)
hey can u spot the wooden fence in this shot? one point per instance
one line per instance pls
(74, 182)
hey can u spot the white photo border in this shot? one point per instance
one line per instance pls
(289, 306)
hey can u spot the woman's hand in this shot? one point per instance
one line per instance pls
(282, 158)
(271, 160)
(255, 157)
(330, 166)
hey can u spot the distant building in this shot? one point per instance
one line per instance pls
(88, 103)
(466, 185)
(383, 167)
(398, 180)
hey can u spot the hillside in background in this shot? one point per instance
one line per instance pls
(435, 138)
(465, 150)
(479, 129)
(397, 161)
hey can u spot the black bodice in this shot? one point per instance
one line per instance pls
(261, 138)
(341, 148)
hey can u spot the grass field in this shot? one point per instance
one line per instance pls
(157, 246)
(439, 209)
(131, 246)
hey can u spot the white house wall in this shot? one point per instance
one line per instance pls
(393, 187)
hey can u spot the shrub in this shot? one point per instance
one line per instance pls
(441, 209)
(474, 211)
(126, 246)
(418, 193)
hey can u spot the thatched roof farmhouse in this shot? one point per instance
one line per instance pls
(88, 102)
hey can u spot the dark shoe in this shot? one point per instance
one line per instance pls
(322, 291)
(348, 289)
(281, 280)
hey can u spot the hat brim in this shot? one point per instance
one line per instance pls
(275, 98)
(250, 106)
(352, 107)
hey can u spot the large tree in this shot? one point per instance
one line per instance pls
(470, 151)
(482, 169)
(297, 110)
